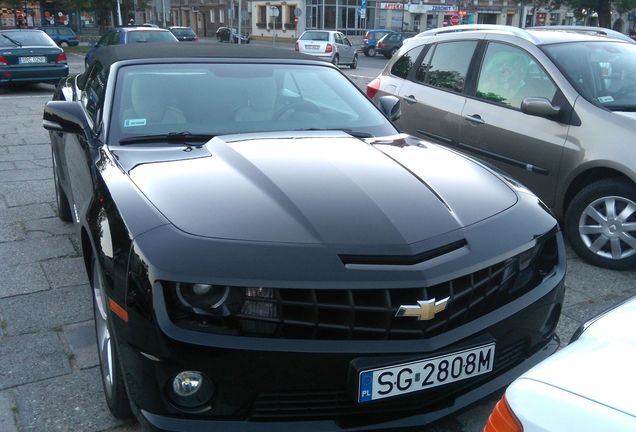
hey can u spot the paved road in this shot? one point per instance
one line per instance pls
(49, 379)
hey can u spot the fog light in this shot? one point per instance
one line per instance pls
(187, 383)
(191, 389)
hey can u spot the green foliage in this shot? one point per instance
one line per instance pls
(603, 8)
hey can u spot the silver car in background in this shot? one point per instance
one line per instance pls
(554, 109)
(332, 46)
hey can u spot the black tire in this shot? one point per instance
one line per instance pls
(117, 398)
(354, 65)
(393, 51)
(371, 52)
(386, 55)
(336, 60)
(604, 240)
(366, 53)
(63, 44)
(61, 202)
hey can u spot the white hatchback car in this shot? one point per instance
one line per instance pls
(329, 45)
(586, 387)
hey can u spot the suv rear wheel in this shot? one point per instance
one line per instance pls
(600, 224)
(370, 52)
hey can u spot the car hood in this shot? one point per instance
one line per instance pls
(599, 365)
(628, 114)
(322, 188)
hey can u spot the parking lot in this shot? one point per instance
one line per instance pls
(49, 376)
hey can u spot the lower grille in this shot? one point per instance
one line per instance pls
(334, 404)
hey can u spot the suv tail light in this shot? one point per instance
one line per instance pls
(373, 87)
(61, 58)
(380, 45)
(296, 47)
(3, 61)
(329, 48)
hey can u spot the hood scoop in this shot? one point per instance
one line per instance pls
(403, 260)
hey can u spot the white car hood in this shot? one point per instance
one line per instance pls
(601, 365)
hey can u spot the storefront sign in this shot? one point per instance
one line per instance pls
(399, 6)
(428, 8)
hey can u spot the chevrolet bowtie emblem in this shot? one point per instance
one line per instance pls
(424, 310)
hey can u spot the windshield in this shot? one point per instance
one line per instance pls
(26, 38)
(221, 98)
(142, 36)
(603, 72)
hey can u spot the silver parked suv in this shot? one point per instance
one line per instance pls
(555, 109)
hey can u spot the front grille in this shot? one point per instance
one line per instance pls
(369, 314)
(334, 404)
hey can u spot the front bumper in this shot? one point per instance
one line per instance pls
(276, 384)
(414, 421)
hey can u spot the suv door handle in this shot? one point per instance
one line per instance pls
(410, 99)
(474, 118)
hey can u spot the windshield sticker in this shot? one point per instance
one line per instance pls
(605, 99)
(134, 122)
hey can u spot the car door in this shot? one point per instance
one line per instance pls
(340, 48)
(349, 48)
(77, 149)
(494, 128)
(433, 100)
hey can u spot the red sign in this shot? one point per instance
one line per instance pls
(455, 19)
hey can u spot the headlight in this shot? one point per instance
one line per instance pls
(202, 296)
(222, 308)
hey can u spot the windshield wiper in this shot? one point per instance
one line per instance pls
(626, 108)
(353, 133)
(13, 41)
(172, 137)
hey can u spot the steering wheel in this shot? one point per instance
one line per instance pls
(299, 106)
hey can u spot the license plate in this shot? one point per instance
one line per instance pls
(312, 46)
(424, 374)
(33, 59)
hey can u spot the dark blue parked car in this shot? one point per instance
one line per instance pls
(63, 36)
(371, 38)
(127, 35)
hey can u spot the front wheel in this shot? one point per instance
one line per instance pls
(600, 224)
(112, 377)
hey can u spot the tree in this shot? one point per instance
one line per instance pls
(603, 8)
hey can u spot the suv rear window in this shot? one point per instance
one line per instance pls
(404, 64)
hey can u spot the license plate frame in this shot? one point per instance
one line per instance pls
(424, 374)
(312, 47)
(32, 60)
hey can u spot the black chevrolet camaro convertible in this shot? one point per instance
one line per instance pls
(267, 252)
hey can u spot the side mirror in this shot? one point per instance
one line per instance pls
(63, 116)
(540, 107)
(390, 106)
